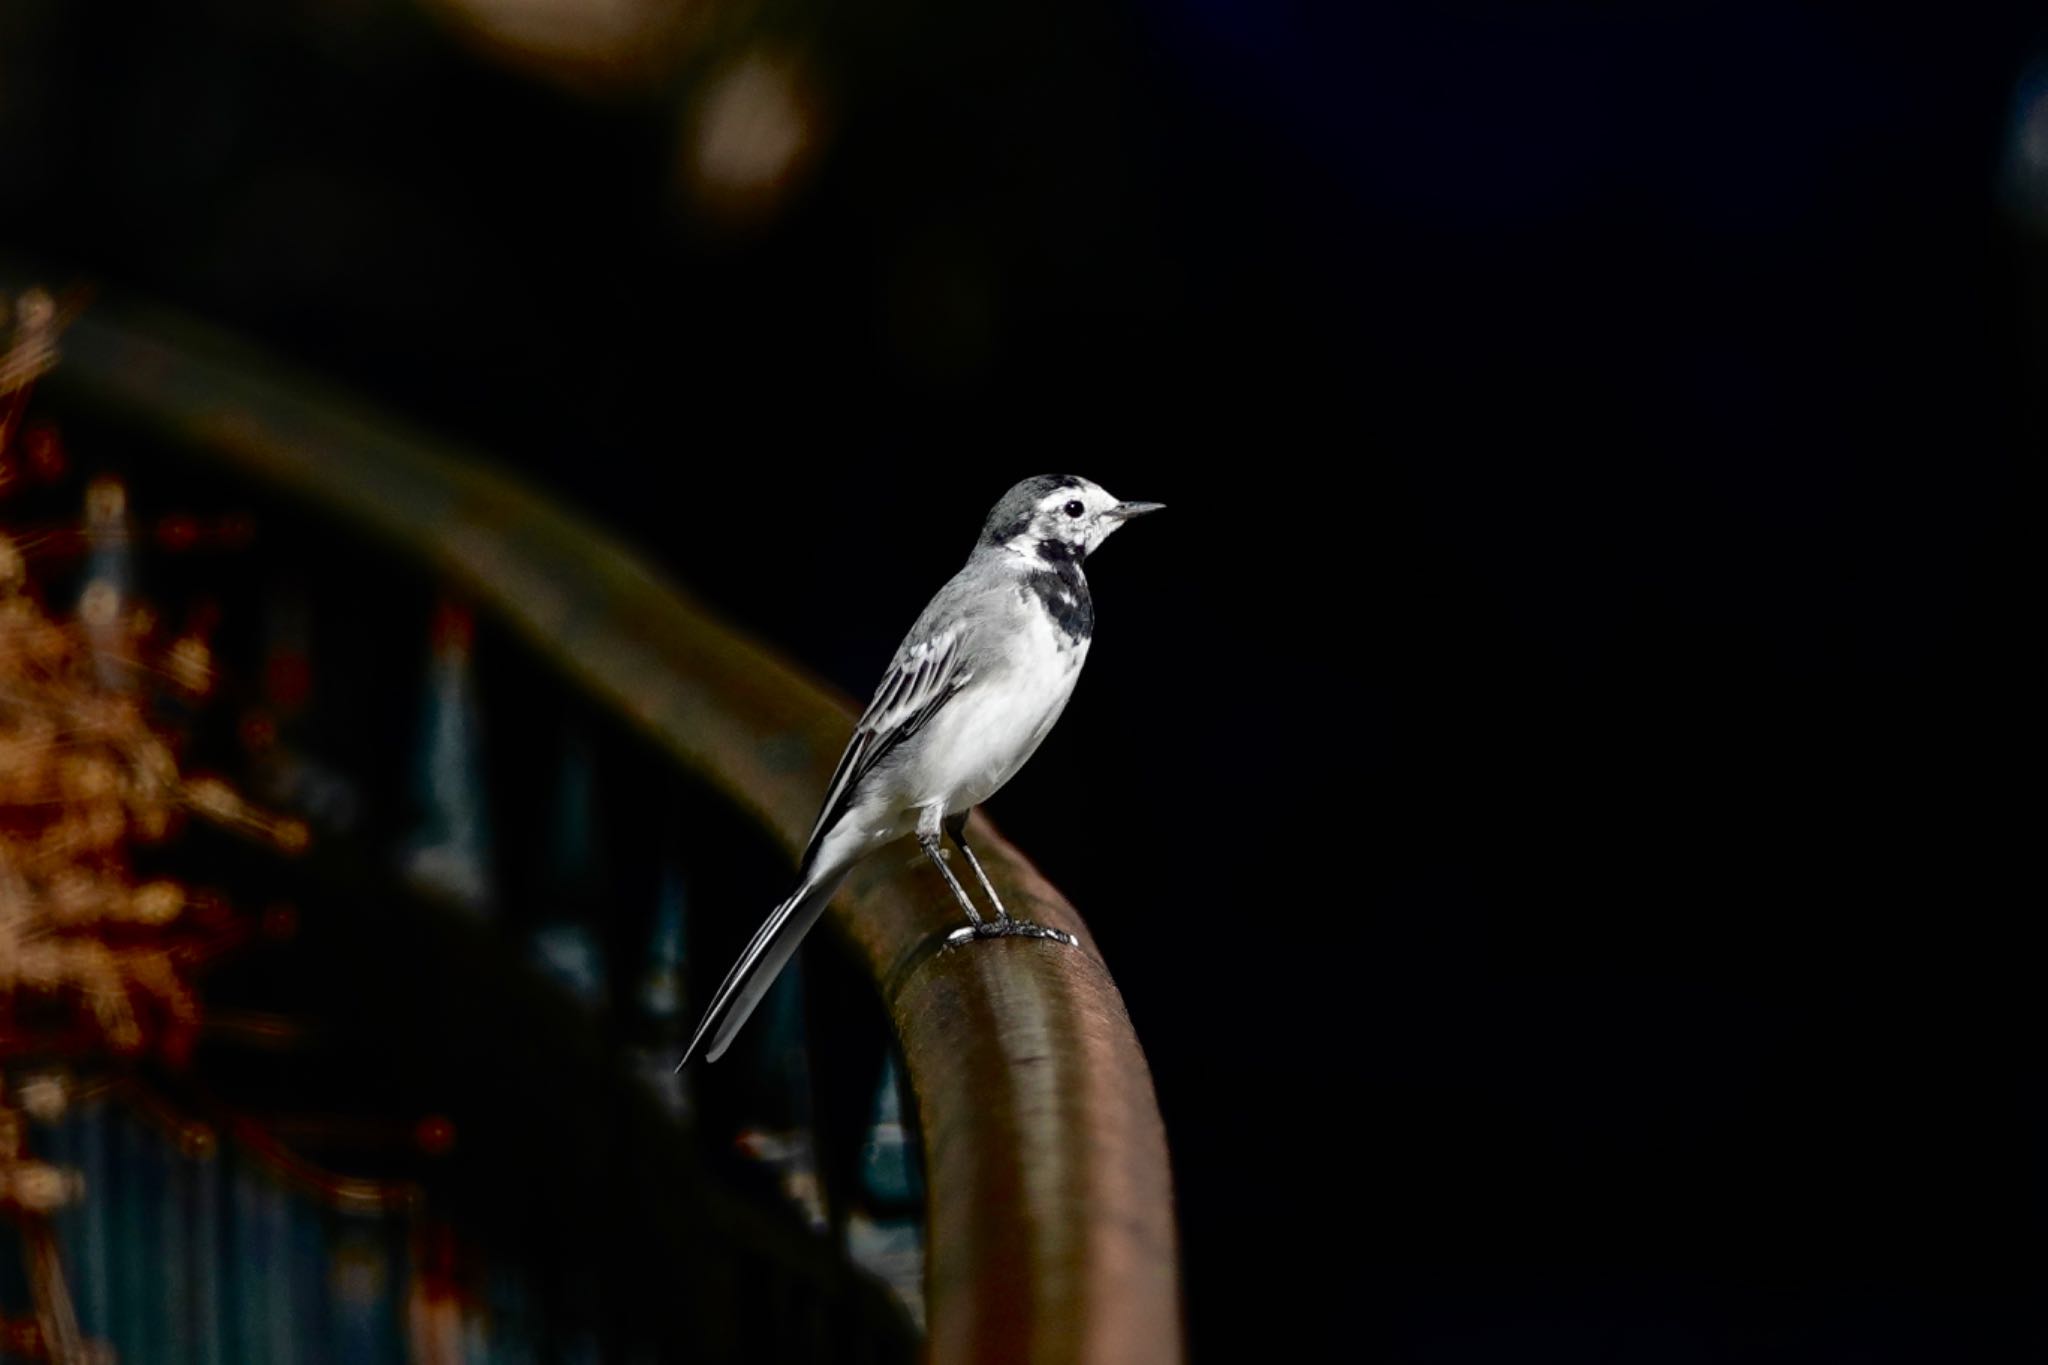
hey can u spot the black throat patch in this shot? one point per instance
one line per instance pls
(1062, 590)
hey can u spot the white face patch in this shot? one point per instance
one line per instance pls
(1056, 520)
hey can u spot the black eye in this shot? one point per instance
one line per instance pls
(1074, 509)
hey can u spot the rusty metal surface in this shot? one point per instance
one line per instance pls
(1051, 1231)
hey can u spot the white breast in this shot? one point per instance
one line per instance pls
(981, 738)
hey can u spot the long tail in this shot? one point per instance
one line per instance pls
(765, 956)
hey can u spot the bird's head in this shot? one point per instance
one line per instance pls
(1057, 516)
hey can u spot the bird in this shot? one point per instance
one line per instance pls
(973, 689)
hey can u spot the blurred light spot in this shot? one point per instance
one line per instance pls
(43, 1096)
(32, 350)
(177, 532)
(661, 989)
(99, 604)
(38, 1188)
(2026, 159)
(156, 902)
(190, 664)
(570, 953)
(792, 1155)
(581, 42)
(751, 132)
(435, 1135)
(450, 853)
(45, 453)
(106, 504)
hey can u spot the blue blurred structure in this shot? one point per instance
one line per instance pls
(183, 1253)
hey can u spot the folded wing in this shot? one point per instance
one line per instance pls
(925, 674)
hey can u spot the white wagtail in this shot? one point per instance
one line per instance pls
(972, 690)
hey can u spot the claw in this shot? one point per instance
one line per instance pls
(1010, 928)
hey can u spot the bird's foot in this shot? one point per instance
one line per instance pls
(1010, 928)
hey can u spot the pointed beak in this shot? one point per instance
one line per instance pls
(1124, 511)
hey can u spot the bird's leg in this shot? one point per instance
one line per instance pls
(928, 840)
(956, 830)
(1004, 927)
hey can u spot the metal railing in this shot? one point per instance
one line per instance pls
(1049, 1215)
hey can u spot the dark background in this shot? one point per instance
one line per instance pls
(1547, 788)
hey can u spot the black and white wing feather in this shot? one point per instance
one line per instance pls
(923, 677)
(926, 672)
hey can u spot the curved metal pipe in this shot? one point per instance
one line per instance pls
(1049, 1197)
